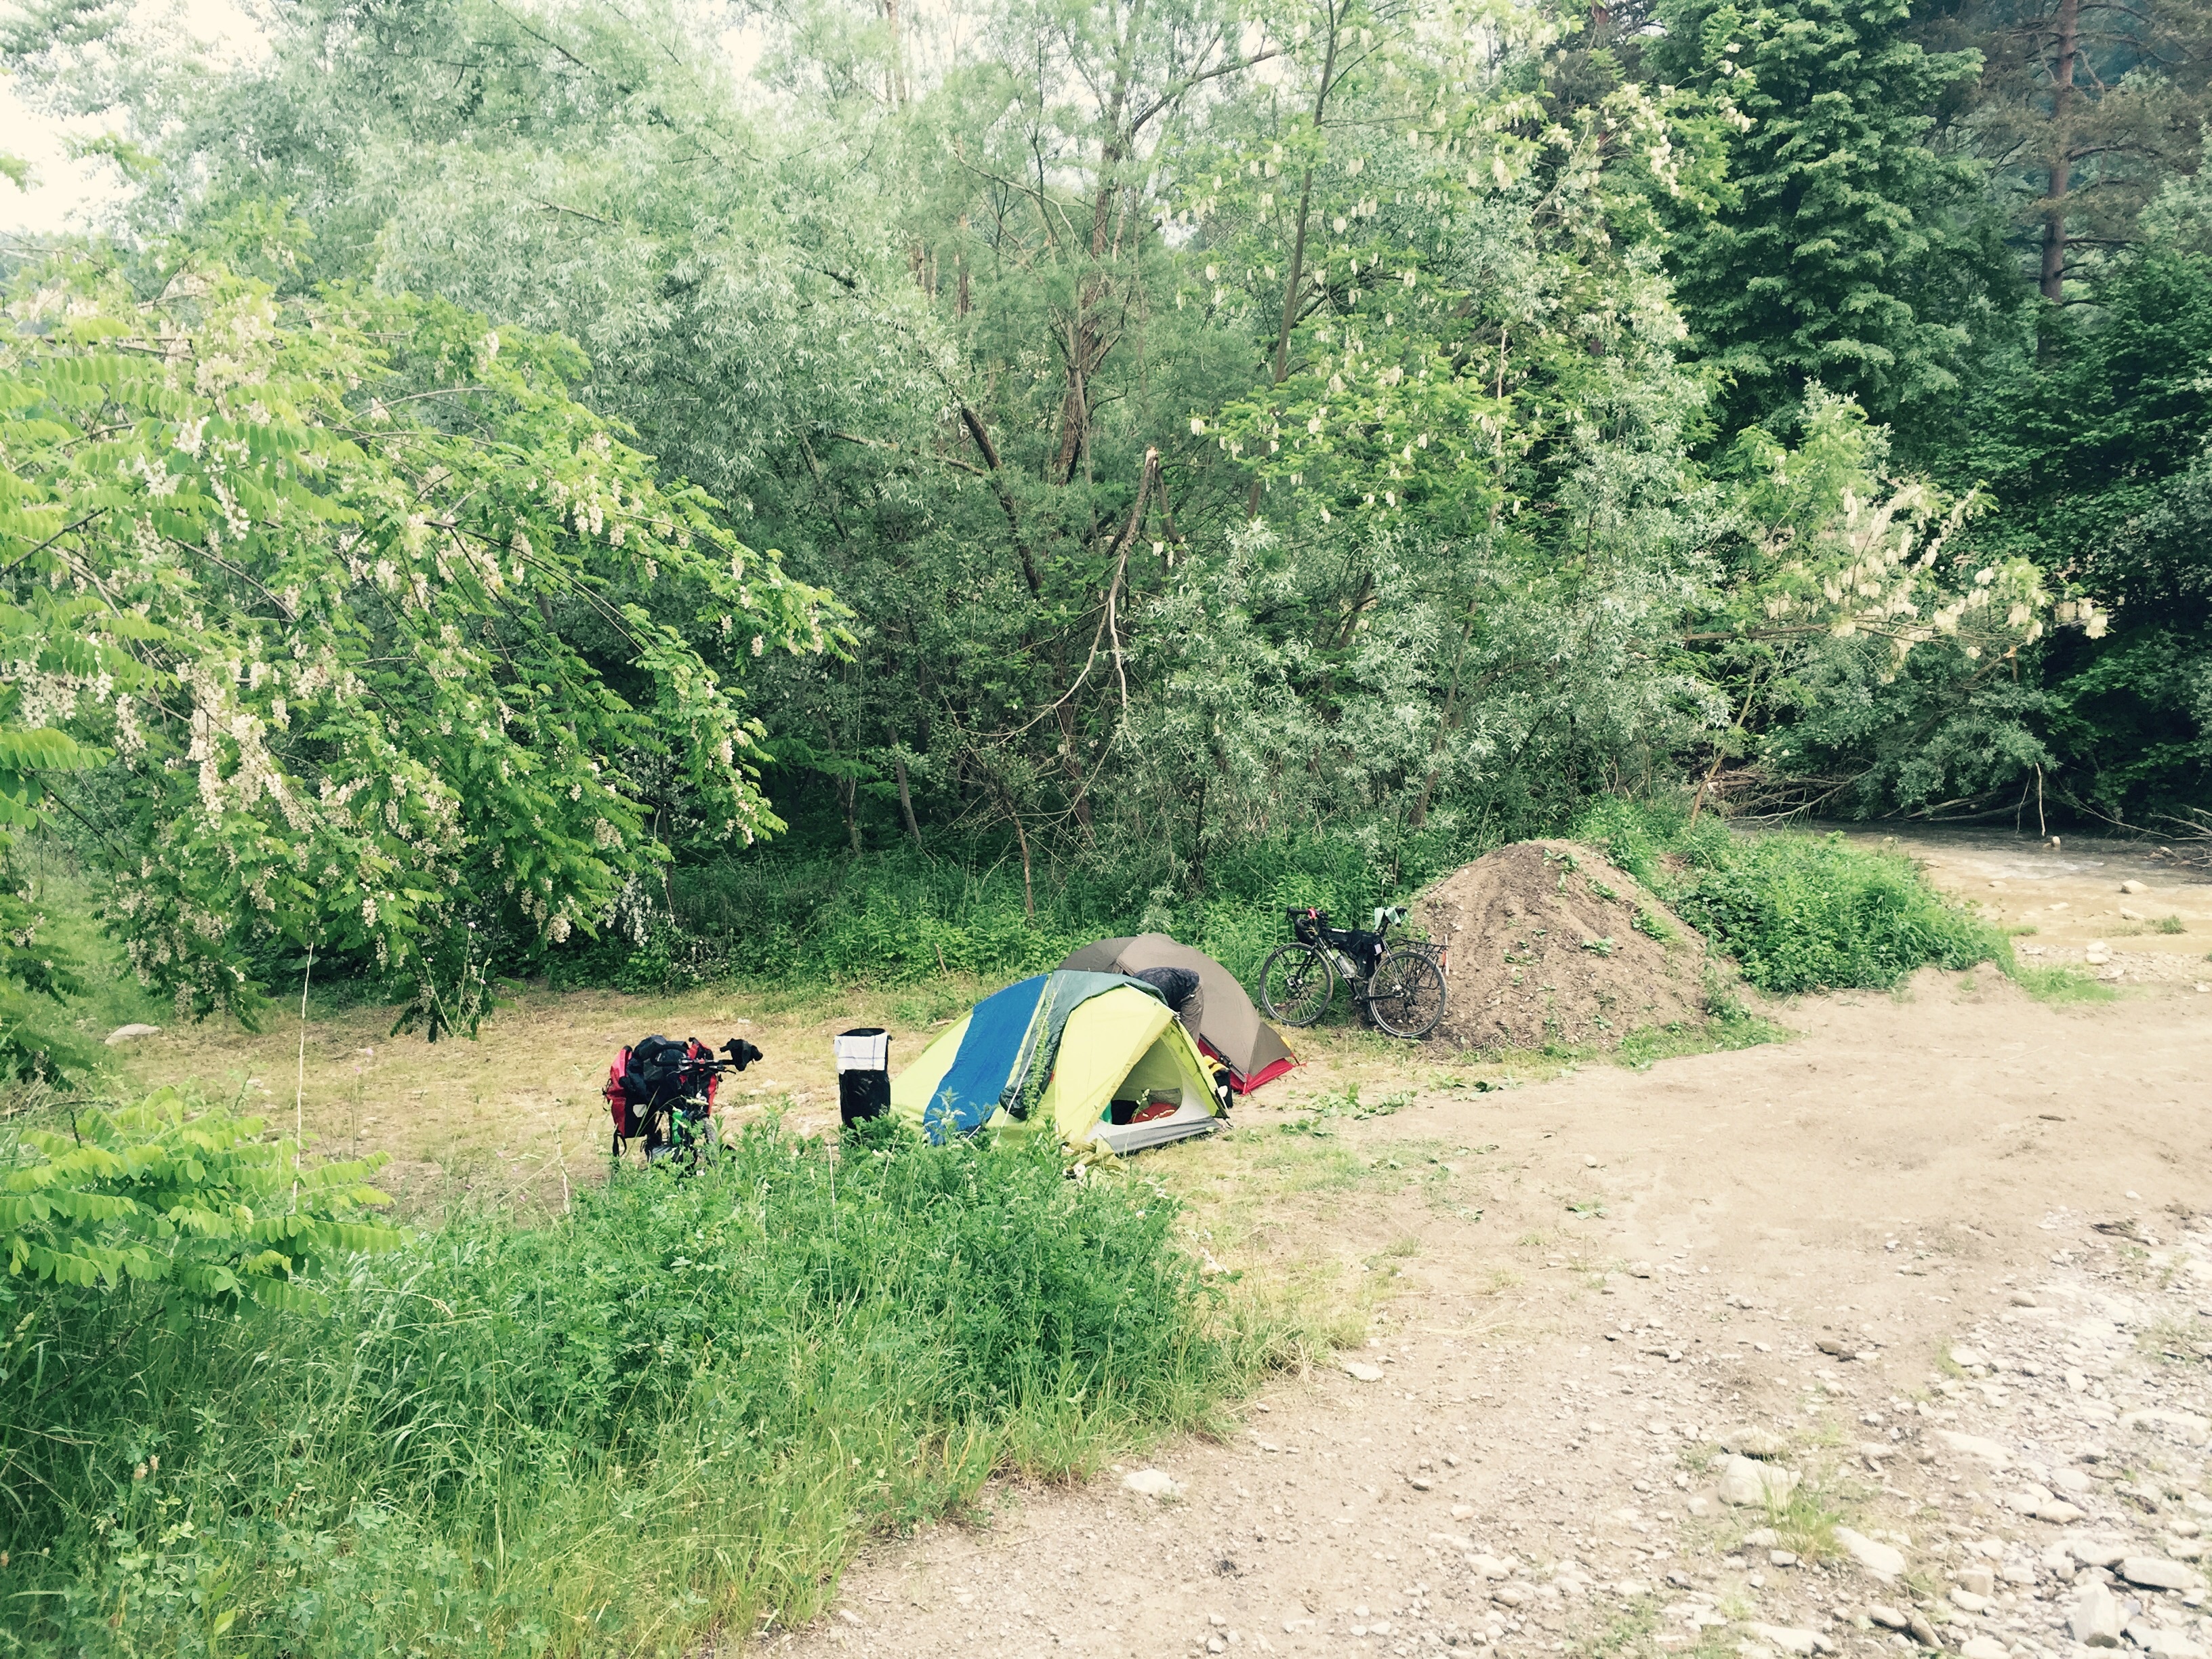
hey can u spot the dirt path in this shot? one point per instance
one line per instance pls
(1779, 1249)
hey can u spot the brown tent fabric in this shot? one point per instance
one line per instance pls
(1229, 1026)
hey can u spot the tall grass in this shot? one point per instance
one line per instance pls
(778, 914)
(1797, 912)
(673, 1412)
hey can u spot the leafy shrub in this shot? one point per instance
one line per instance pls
(196, 1201)
(785, 914)
(1801, 913)
(1797, 912)
(676, 1409)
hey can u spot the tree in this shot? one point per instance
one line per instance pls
(2095, 449)
(2083, 108)
(1849, 255)
(381, 645)
(1868, 651)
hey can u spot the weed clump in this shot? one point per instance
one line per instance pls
(1795, 911)
(676, 1410)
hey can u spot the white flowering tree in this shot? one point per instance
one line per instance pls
(1832, 574)
(335, 624)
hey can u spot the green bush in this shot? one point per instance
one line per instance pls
(672, 1412)
(1801, 913)
(786, 915)
(1797, 912)
(200, 1203)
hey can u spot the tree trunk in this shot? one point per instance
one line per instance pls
(906, 797)
(2069, 45)
(1029, 890)
(1445, 724)
(898, 56)
(1296, 274)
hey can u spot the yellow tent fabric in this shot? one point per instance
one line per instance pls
(1123, 1044)
(911, 1089)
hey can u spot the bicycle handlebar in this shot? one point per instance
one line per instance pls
(741, 1054)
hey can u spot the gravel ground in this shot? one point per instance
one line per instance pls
(1890, 1337)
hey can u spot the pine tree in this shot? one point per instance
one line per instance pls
(2082, 110)
(1850, 253)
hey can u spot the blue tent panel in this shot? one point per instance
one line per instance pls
(990, 1050)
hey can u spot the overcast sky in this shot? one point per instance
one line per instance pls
(72, 195)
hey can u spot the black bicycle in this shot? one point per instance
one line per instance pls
(1397, 983)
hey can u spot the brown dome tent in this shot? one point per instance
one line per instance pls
(1227, 1025)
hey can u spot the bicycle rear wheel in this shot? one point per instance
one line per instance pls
(1296, 985)
(1405, 994)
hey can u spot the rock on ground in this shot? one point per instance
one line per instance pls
(1884, 1561)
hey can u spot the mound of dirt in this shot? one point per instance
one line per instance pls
(1550, 943)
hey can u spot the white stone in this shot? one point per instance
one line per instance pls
(2133, 887)
(1973, 1445)
(1744, 1482)
(2155, 1572)
(1967, 1358)
(1751, 1440)
(2161, 1643)
(2095, 1551)
(131, 1033)
(1982, 1647)
(1151, 1483)
(1491, 1567)
(1883, 1560)
(2058, 1512)
(1970, 1602)
(2095, 1620)
(1786, 1638)
(1360, 1372)
(2192, 1428)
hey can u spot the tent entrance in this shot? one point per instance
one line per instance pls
(1129, 1046)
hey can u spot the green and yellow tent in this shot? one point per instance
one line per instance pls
(1097, 1057)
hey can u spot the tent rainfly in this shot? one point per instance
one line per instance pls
(1228, 1026)
(1097, 1057)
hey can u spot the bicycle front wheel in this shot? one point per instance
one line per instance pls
(1405, 994)
(699, 1144)
(1296, 985)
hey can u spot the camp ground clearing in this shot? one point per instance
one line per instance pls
(1933, 1267)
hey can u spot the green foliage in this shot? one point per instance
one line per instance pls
(1801, 913)
(1846, 257)
(1795, 911)
(675, 1412)
(2096, 445)
(196, 1201)
(2063, 986)
(381, 643)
